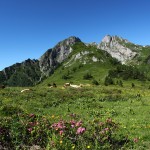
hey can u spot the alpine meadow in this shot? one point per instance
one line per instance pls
(78, 96)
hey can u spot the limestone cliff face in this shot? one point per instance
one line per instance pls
(116, 46)
(55, 56)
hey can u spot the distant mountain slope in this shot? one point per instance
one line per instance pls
(26, 73)
(71, 59)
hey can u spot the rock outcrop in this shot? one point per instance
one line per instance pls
(117, 48)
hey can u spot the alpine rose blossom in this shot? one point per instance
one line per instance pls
(80, 130)
(61, 132)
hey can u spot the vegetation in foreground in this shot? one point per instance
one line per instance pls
(94, 117)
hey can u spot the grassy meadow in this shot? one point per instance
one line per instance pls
(90, 117)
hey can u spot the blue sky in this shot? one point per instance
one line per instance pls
(29, 27)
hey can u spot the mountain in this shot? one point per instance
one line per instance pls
(71, 59)
(118, 48)
(52, 58)
(31, 72)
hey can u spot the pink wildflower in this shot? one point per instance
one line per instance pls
(79, 123)
(80, 130)
(102, 132)
(109, 120)
(59, 125)
(106, 129)
(72, 122)
(135, 140)
(31, 123)
(101, 123)
(29, 129)
(72, 125)
(31, 115)
(61, 132)
(73, 115)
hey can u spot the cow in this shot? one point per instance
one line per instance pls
(66, 84)
(72, 85)
(25, 90)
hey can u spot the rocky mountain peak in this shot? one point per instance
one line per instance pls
(55, 56)
(117, 47)
(107, 39)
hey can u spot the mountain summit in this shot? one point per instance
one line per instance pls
(55, 56)
(118, 48)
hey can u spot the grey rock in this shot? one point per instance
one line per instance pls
(116, 46)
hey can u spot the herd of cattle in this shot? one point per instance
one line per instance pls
(51, 86)
(55, 86)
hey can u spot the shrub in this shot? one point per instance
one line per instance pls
(11, 110)
(87, 76)
(108, 81)
(95, 82)
(66, 77)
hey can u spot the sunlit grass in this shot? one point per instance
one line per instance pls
(128, 107)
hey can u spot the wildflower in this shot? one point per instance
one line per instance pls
(31, 124)
(73, 146)
(102, 132)
(88, 146)
(72, 125)
(52, 143)
(80, 130)
(31, 115)
(135, 140)
(101, 123)
(72, 122)
(72, 115)
(61, 132)
(78, 123)
(29, 129)
(106, 129)
(109, 120)
(61, 142)
(60, 125)
(53, 116)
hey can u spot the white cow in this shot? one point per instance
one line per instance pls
(25, 90)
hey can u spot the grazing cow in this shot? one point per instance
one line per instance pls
(75, 86)
(54, 85)
(2, 86)
(72, 85)
(66, 84)
(51, 86)
(25, 90)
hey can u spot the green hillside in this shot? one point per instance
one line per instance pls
(90, 60)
